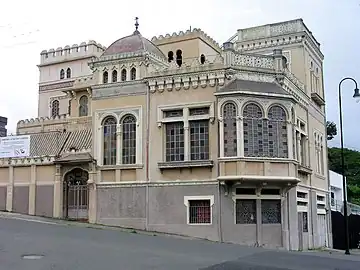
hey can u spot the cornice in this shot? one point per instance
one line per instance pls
(27, 161)
(56, 86)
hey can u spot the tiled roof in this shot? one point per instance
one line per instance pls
(79, 140)
(252, 86)
(47, 144)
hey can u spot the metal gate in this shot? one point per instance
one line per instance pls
(76, 195)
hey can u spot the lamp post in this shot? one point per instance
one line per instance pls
(346, 221)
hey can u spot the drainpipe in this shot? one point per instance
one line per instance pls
(147, 167)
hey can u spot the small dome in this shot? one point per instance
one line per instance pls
(131, 44)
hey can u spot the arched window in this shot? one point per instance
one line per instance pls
(62, 74)
(55, 108)
(179, 57)
(68, 73)
(278, 142)
(133, 74)
(230, 134)
(202, 59)
(129, 140)
(83, 106)
(123, 75)
(254, 130)
(170, 56)
(114, 76)
(109, 150)
(105, 77)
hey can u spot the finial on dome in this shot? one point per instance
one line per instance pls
(136, 32)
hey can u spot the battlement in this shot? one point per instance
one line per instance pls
(40, 120)
(196, 32)
(85, 49)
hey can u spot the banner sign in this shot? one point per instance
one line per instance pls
(15, 146)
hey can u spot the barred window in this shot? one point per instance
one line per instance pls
(256, 142)
(62, 74)
(123, 75)
(277, 127)
(129, 140)
(199, 140)
(68, 73)
(305, 222)
(114, 76)
(109, 126)
(105, 77)
(55, 108)
(199, 212)
(83, 106)
(245, 211)
(133, 74)
(175, 141)
(230, 134)
(271, 211)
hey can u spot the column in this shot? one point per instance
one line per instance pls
(118, 144)
(298, 146)
(290, 139)
(58, 198)
(239, 136)
(100, 146)
(10, 190)
(32, 190)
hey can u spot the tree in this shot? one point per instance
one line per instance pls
(331, 130)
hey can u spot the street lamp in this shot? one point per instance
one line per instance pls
(346, 221)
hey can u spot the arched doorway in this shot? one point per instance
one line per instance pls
(76, 194)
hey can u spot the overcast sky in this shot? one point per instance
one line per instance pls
(28, 27)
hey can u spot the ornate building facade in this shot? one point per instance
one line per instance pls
(182, 135)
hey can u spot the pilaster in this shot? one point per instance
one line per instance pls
(32, 190)
(99, 146)
(290, 139)
(58, 199)
(221, 137)
(186, 135)
(10, 190)
(239, 136)
(92, 192)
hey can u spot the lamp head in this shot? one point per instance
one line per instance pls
(356, 95)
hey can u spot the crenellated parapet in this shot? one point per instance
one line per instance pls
(41, 120)
(85, 49)
(195, 32)
(27, 161)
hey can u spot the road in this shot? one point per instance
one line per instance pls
(78, 247)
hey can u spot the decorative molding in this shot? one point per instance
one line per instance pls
(156, 183)
(256, 61)
(56, 86)
(27, 161)
(185, 164)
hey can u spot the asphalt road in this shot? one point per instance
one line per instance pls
(82, 248)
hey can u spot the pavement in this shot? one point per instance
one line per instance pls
(33, 243)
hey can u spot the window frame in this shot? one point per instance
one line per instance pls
(185, 118)
(187, 200)
(119, 115)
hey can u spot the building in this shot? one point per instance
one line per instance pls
(337, 195)
(182, 135)
(3, 123)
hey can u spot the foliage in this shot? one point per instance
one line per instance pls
(331, 130)
(352, 170)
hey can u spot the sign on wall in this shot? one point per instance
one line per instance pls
(15, 146)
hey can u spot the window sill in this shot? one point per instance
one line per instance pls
(304, 169)
(185, 164)
(121, 167)
(322, 177)
(199, 224)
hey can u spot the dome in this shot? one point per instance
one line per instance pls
(133, 44)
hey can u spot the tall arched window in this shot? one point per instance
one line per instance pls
(133, 74)
(129, 140)
(123, 75)
(278, 141)
(109, 150)
(83, 106)
(230, 134)
(114, 76)
(105, 77)
(55, 108)
(254, 129)
(68, 73)
(62, 74)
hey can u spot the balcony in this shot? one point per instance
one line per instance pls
(317, 99)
